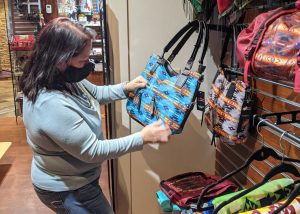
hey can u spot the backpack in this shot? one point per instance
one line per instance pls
(269, 46)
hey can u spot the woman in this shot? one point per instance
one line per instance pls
(62, 119)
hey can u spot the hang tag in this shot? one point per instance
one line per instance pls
(201, 101)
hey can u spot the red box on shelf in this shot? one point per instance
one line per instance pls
(22, 43)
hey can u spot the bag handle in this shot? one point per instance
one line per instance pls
(191, 60)
(201, 67)
(190, 30)
(178, 35)
(182, 43)
(184, 75)
(225, 45)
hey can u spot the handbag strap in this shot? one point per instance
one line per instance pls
(190, 30)
(182, 78)
(178, 35)
(191, 60)
(225, 45)
(182, 43)
(201, 67)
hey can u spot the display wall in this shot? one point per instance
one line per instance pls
(138, 29)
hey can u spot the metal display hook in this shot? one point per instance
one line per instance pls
(283, 148)
(266, 122)
(258, 126)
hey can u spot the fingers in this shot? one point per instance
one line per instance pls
(163, 133)
(158, 123)
(141, 81)
(166, 135)
(157, 132)
(137, 83)
(141, 84)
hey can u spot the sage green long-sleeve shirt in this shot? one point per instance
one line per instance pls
(64, 132)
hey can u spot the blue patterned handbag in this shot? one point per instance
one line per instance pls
(169, 96)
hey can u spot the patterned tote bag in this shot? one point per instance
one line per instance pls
(229, 103)
(169, 95)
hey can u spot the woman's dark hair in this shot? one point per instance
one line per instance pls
(59, 41)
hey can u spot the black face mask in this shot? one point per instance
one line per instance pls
(73, 74)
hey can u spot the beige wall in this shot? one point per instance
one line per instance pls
(138, 29)
(117, 32)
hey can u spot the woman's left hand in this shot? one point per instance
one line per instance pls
(137, 83)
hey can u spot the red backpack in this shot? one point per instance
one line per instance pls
(270, 46)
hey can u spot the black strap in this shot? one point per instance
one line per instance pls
(202, 27)
(232, 31)
(191, 60)
(190, 28)
(178, 35)
(201, 67)
(181, 43)
(184, 75)
(225, 45)
(234, 61)
(206, 41)
(209, 8)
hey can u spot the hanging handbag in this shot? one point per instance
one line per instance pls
(169, 96)
(229, 103)
(184, 189)
(270, 46)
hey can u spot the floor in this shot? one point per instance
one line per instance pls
(16, 192)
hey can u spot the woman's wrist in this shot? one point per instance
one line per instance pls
(124, 87)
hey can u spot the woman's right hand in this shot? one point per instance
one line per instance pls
(157, 132)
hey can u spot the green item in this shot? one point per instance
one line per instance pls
(197, 5)
(265, 195)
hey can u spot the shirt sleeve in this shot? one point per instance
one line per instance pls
(63, 124)
(105, 94)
